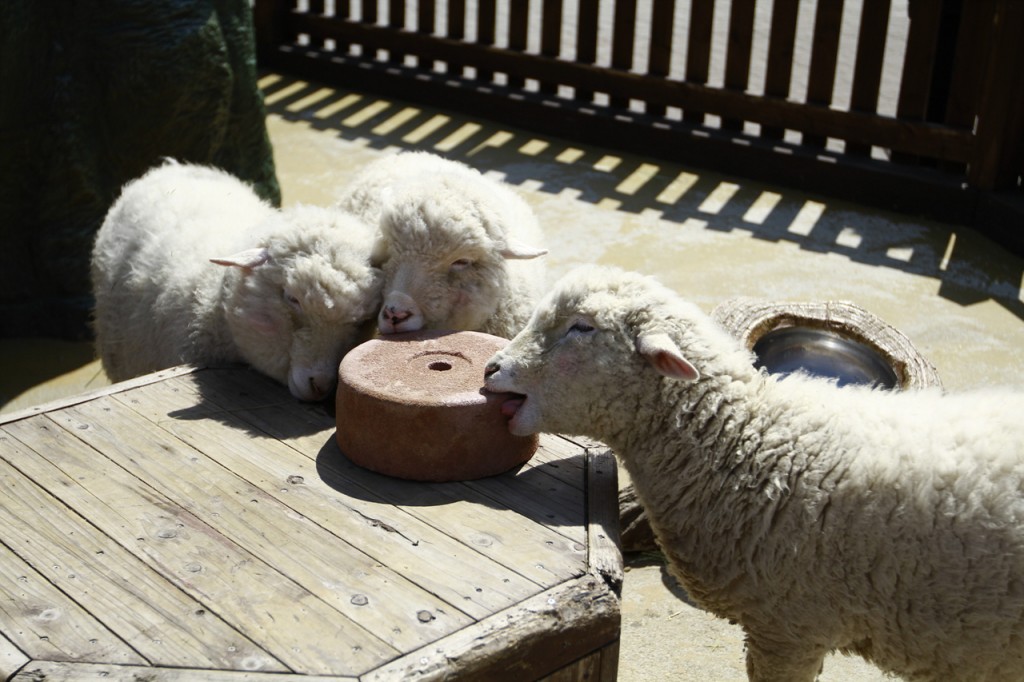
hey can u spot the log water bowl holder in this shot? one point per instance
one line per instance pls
(414, 406)
(834, 339)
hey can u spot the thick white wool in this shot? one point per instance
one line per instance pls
(887, 524)
(459, 250)
(190, 266)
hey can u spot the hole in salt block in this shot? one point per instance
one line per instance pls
(440, 366)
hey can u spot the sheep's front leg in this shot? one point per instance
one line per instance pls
(782, 664)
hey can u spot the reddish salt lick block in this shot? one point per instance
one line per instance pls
(414, 406)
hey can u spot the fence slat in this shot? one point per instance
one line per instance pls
(999, 152)
(518, 23)
(965, 86)
(623, 35)
(779, 70)
(698, 54)
(737, 57)
(369, 8)
(919, 60)
(486, 29)
(586, 42)
(551, 37)
(867, 74)
(824, 52)
(456, 30)
(396, 20)
(659, 56)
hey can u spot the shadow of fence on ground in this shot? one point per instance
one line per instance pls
(970, 267)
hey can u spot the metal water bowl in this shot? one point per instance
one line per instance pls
(820, 352)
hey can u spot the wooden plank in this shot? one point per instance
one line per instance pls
(522, 493)
(456, 30)
(90, 395)
(516, 541)
(59, 671)
(369, 9)
(561, 458)
(737, 55)
(43, 622)
(659, 54)
(486, 28)
(603, 544)
(972, 48)
(199, 561)
(12, 659)
(867, 75)
(600, 665)
(623, 38)
(779, 69)
(999, 156)
(368, 593)
(824, 54)
(698, 52)
(518, 17)
(476, 585)
(550, 37)
(918, 66)
(138, 605)
(586, 43)
(396, 20)
(527, 641)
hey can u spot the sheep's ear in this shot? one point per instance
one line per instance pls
(519, 251)
(664, 355)
(248, 259)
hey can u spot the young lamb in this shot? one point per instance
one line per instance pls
(887, 524)
(459, 250)
(190, 266)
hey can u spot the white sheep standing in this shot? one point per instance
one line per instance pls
(190, 266)
(459, 250)
(886, 524)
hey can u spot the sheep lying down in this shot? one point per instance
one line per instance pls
(190, 266)
(459, 250)
(886, 524)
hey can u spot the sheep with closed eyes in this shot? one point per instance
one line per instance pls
(881, 523)
(190, 266)
(459, 250)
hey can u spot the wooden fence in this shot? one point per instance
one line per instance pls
(638, 75)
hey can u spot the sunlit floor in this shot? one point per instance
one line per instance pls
(953, 293)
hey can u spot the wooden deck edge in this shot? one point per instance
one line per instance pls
(80, 398)
(604, 546)
(598, 666)
(64, 671)
(12, 658)
(524, 642)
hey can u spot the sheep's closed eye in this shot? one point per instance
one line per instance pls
(293, 301)
(579, 328)
(461, 264)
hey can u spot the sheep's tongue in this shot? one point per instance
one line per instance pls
(512, 405)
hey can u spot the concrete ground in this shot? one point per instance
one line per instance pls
(956, 295)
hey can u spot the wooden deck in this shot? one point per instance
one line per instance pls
(202, 524)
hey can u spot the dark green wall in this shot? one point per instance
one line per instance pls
(93, 93)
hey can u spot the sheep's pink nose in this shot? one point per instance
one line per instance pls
(395, 315)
